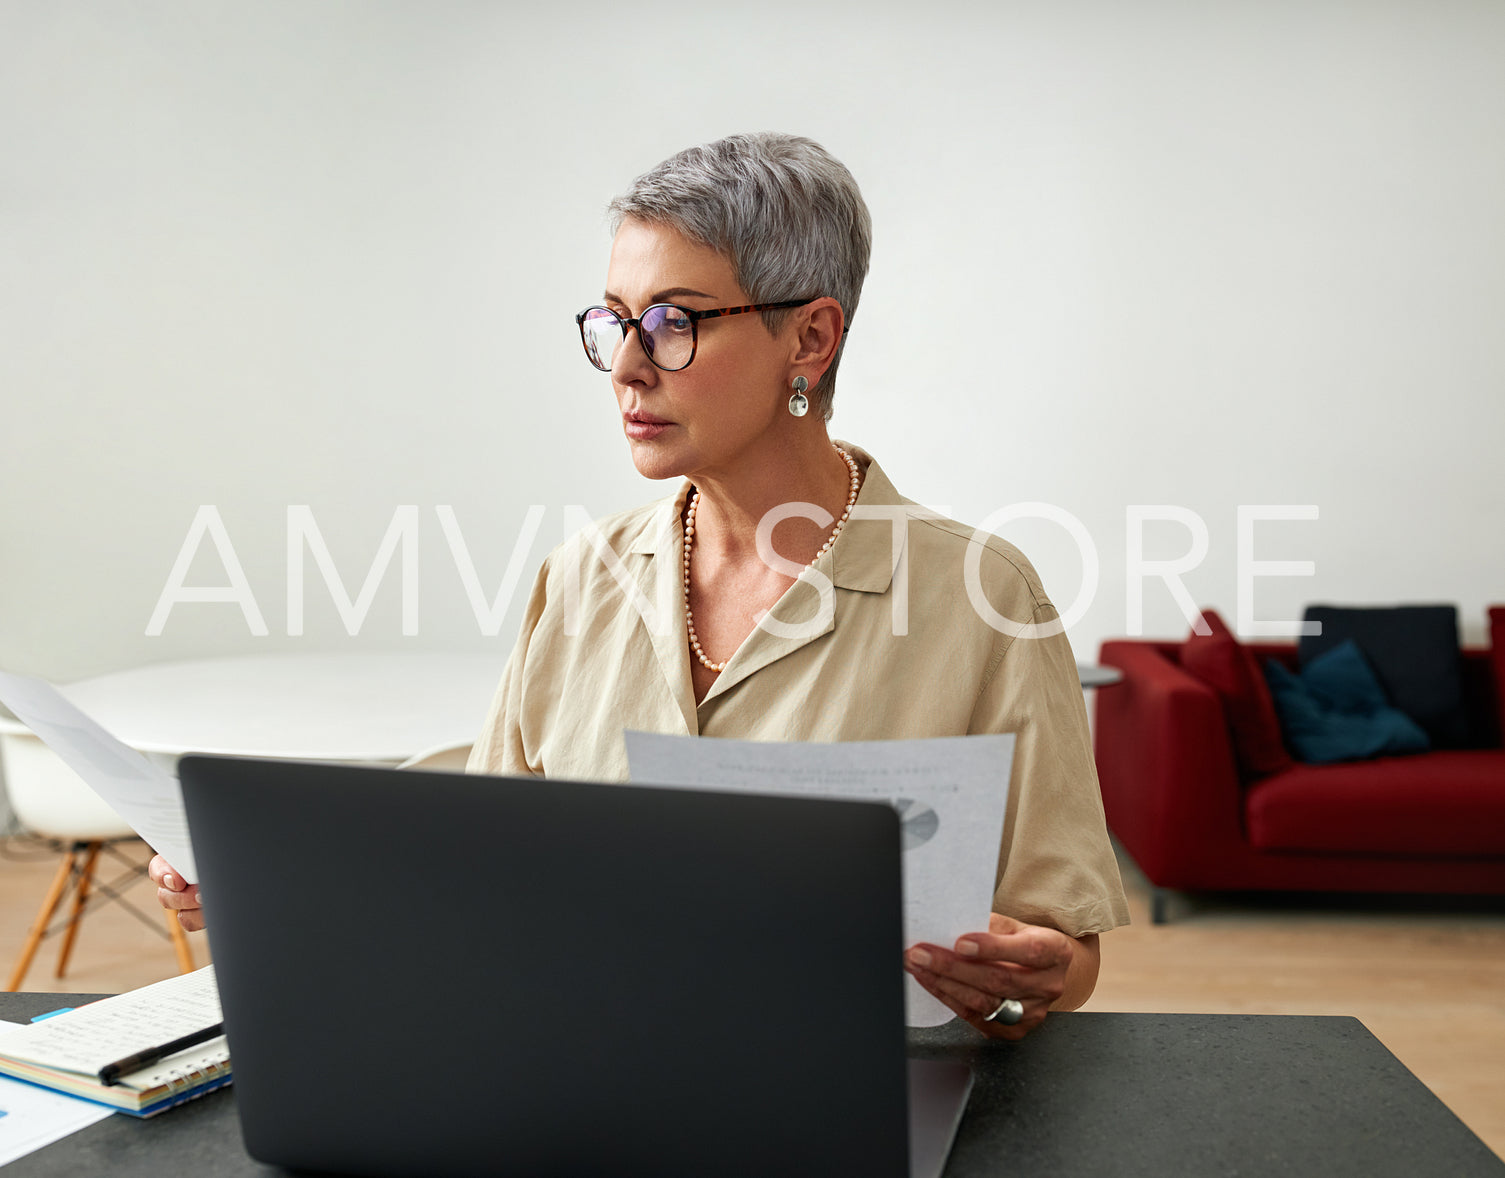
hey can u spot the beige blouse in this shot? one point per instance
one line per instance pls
(881, 640)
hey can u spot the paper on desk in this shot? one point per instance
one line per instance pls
(31, 1117)
(144, 794)
(950, 793)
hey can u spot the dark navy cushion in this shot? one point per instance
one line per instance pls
(1414, 652)
(1335, 710)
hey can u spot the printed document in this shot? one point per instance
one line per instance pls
(31, 1117)
(144, 794)
(950, 793)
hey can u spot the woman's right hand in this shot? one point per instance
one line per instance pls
(176, 895)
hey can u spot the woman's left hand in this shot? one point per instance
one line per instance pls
(1026, 962)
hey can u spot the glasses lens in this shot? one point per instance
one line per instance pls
(602, 333)
(669, 336)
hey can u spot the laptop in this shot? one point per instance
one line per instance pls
(437, 974)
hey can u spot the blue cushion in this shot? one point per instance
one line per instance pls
(1336, 710)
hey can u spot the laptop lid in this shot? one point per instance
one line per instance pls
(427, 973)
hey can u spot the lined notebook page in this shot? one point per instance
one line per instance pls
(86, 1039)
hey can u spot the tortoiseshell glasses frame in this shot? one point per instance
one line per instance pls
(665, 330)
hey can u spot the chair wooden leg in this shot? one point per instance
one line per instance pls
(180, 943)
(76, 916)
(44, 916)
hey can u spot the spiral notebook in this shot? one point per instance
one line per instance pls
(66, 1051)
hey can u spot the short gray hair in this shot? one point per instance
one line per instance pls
(785, 212)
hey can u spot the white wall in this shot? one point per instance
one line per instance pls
(1205, 254)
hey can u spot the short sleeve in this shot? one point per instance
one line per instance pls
(1056, 866)
(500, 747)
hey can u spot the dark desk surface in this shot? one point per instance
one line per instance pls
(1100, 1094)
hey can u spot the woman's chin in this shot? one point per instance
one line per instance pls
(654, 461)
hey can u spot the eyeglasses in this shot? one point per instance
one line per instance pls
(668, 332)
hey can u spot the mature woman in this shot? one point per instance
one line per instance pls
(787, 591)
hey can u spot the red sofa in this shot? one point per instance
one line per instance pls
(1177, 802)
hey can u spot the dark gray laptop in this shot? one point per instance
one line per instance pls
(432, 974)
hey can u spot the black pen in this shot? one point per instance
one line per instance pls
(110, 1074)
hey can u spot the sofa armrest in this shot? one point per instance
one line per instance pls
(1170, 784)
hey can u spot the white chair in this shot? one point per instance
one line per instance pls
(49, 799)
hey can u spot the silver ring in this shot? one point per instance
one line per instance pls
(1008, 1012)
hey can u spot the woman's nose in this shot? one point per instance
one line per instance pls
(630, 363)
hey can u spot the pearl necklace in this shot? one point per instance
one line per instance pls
(690, 541)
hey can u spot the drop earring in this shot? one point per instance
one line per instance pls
(799, 404)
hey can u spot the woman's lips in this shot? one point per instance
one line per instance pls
(643, 426)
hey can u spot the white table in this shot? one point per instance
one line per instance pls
(375, 707)
(323, 707)
(1092, 675)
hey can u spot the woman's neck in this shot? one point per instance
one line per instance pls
(733, 503)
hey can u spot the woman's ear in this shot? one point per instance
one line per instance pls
(817, 336)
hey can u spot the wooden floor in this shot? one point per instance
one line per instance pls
(1427, 978)
(114, 950)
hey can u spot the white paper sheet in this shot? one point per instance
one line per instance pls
(950, 793)
(144, 794)
(31, 1117)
